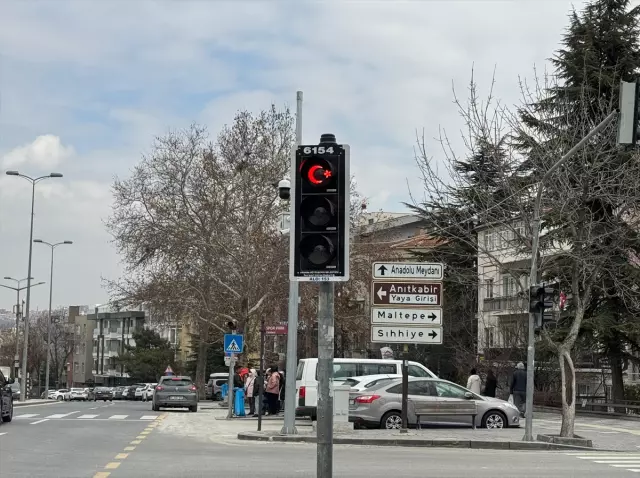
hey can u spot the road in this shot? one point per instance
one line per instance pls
(128, 440)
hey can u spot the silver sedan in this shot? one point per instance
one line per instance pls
(380, 406)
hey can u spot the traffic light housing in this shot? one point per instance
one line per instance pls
(320, 191)
(628, 128)
(542, 298)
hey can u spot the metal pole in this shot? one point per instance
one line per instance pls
(16, 358)
(289, 427)
(230, 386)
(25, 349)
(405, 388)
(533, 273)
(261, 374)
(46, 379)
(325, 376)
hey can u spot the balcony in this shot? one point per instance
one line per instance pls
(510, 305)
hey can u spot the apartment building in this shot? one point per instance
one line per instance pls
(503, 310)
(112, 330)
(81, 360)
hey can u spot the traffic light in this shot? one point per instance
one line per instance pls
(320, 190)
(541, 299)
(628, 131)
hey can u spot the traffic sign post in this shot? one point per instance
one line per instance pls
(233, 343)
(406, 309)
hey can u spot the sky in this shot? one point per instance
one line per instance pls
(86, 85)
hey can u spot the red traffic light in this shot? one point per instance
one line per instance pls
(317, 172)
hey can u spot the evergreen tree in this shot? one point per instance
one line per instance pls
(148, 358)
(600, 48)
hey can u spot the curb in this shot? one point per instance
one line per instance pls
(38, 402)
(416, 442)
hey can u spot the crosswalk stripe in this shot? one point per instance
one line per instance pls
(62, 415)
(626, 461)
(4, 433)
(87, 416)
(118, 417)
(148, 417)
(28, 415)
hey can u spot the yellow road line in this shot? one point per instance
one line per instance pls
(112, 466)
(101, 474)
(129, 448)
(145, 432)
(135, 442)
(121, 456)
(141, 437)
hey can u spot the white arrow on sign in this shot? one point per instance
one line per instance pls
(382, 293)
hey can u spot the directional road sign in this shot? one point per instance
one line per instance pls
(408, 270)
(406, 334)
(233, 343)
(406, 316)
(409, 294)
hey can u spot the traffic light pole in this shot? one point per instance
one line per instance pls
(289, 427)
(325, 374)
(533, 273)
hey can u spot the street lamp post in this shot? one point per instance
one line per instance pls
(52, 246)
(25, 349)
(16, 358)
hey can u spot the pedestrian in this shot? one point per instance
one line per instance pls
(491, 384)
(237, 379)
(249, 386)
(273, 390)
(474, 383)
(519, 388)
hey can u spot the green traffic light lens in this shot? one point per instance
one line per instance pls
(317, 249)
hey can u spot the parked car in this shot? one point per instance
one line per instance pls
(117, 393)
(15, 390)
(368, 381)
(381, 405)
(6, 398)
(103, 393)
(213, 390)
(60, 395)
(131, 391)
(175, 392)
(79, 394)
(91, 396)
(147, 392)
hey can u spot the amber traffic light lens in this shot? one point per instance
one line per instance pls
(317, 211)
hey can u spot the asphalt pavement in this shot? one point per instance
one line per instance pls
(127, 440)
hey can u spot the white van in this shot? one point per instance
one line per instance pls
(307, 377)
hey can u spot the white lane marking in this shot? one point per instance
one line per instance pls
(62, 415)
(148, 417)
(604, 456)
(28, 415)
(87, 416)
(626, 465)
(118, 417)
(4, 433)
(93, 408)
(39, 421)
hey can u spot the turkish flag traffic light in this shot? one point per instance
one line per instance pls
(320, 189)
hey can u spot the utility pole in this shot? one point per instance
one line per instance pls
(289, 427)
(260, 376)
(232, 362)
(533, 273)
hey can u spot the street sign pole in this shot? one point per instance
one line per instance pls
(289, 427)
(325, 374)
(405, 388)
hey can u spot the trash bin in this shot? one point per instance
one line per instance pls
(224, 389)
(238, 402)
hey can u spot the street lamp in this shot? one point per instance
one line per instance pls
(33, 181)
(52, 246)
(16, 358)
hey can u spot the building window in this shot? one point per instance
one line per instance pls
(83, 366)
(489, 241)
(508, 286)
(172, 336)
(490, 288)
(488, 337)
(77, 349)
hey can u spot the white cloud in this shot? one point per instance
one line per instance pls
(46, 151)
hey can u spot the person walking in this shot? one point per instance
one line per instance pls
(491, 384)
(474, 383)
(519, 388)
(273, 390)
(249, 388)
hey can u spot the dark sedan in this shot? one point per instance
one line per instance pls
(102, 393)
(175, 392)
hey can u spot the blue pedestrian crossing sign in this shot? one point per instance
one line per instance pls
(233, 343)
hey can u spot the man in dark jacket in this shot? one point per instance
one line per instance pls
(237, 379)
(519, 388)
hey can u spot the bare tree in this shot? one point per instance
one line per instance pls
(195, 223)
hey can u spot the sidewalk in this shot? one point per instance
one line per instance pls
(212, 425)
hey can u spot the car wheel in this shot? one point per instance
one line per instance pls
(59, 398)
(194, 408)
(9, 417)
(391, 421)
(494, 420)
(217, 397)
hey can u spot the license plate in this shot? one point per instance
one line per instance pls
(352, 401)
(176, 398)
